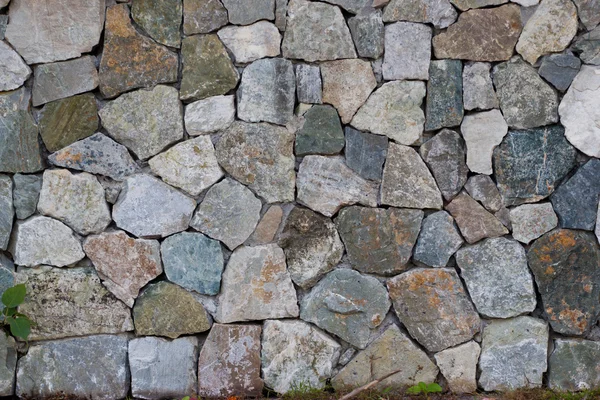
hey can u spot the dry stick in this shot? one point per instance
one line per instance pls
(367, 386)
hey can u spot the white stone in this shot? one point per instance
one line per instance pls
(459, 367)
(249, 43)
(209, 115)
(482, 133)
(13, 70)
(407, 51)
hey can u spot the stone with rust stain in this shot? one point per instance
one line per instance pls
(434, 307)
(474, 222)
(267, 227)
(565, 265)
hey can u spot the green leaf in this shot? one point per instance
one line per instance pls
(423, 387)
(434, 388)
(413, 390)
(10, 311)
(20, 327)
(186, 398)
(14, 296)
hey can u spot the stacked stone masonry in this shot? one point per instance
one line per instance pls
(226, 197)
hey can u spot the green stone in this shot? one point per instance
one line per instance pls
(63, 122)
(160, 19)
(207, 68)
(322, 132)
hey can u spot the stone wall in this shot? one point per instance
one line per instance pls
(228, 196)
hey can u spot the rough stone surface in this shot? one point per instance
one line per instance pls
(513, 354)
(407, 51)
(256, 286)
(247, 12)
(229, 362)
(203, 16)
(281, 14)
(589, 13)
(465, 5)
(560, 69)
(119, 71)
(572, 365)
(26, 192)
(530, 221)
(8, 355)
(347, 304)
(444, 95)
(210, 115)
(193, 261)
(147, 207)
(365, 153)
(438, 240)
(483, 189)
(321, 133)
(565, 265)
(7, 273)
(482, 132)
(379, 241)
(3, 24)
(459, 367)
(352, 6)
(160, 20)
(268, 227)
(229, 213)
(249, 43)
(407, 182)
(325, 184)
(478, 90)
(66, 371)
(474, 222)
(440, 13)
(481, 35)
(294, 353)
(588, 47)
(13, 70)
(7, 213)
(368, 33)
(434, 307)
(308, 84)
(165, 309)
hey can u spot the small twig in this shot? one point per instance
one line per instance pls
(367, 386)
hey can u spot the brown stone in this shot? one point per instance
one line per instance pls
(267, 227)
(474, 222)
(130, 60)
(481, 35)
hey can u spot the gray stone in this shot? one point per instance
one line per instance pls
(295, 353)
(434, 307)
(7, 273)
(394, 110)
(256, 285)
(572, 365)
(147, 207)
(407, 51)
(352, 6)
(497, 277)
(526, 100)
(244, 12)
(8, 365)
(13, 70)
(249, 43)
(70, 302)
(75, 28)
(530, 221)
(260, 156)
(379, 241)
(304, 38)
(399, 188)
(7, 212)
(438, 241)
(365, 153)
(308, 84)
(474, 222)
(161, 368)
(209, 115)
(560, 69)
(587, 46)
(74, 367)
(478, 90)
(145, 121)
(203, 16)
(312, 246)
(347, 304)
(325, 184)
(42, 240)
(513, 354)
(445, 155)
(3, 24)
(76, 200)
(97, 154)
(482, 132)
(281, 14)
(267, 91)
(321, 133)
(483, 189)
(161, 20)
(368, 33)
(459, 367)
(193, 261)
(444, 95)
(440, 13)
(465, 5)
(229, 213)
(589, 12)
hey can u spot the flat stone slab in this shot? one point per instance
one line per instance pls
(246, 12)
(268, 226)
(440, 13)
(478, 89)
(560, 69)
(209, 115)
(160, 20)
(367, 31)
(249, 43)
(444, 107)
(572, 365)
(309, 84)
(26, 192)
(407, 51)
(483, 189)
(321, 133)
(474, 222)
(438, 240)
(13, 70)
(530, 221)
(482, 132)
(365, 153)
(459, 367)
(203, 16)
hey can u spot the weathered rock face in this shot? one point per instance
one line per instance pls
(65, 371)
(483, 189)
(437, 12)
(161, 20)
(474, 222)
(367, 32)
(588, 13)
(308, 84)
(13, 70)
(26, 192)
(513, 354)
(379, 241)
(7, 213)
(256, 286)
(347, 304)
(203, 16)
(352, 6)
(438, 241)
(465, 5)
(249, 43)
(444, 95)
(530, 221)
(210, 115)
(560, 69)
(365, 153)
(268, 226)
(434, 307)
(459, 367)
(220, 374)
(321, 133)
(572, 365)
(564, 263)
(294, 353)
(482, 133)
(247, 12)
(407, 51)
(70, 302)
(588, 47)
(478, 90)
(8, 355)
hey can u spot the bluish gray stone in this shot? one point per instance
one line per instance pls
(26, 193)
(245, 12)
(193, 261)
(3, 23)
(7, 212)
(483, 189)
(573, 365)
(560, 69)
(321, 133)
(367, 32)
(444, 95)
(308, 84)
(8, 364)
(365, 153)
(589, 12)
(438, 241)
(7, 273)
(587, 46)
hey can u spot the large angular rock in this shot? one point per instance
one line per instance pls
(365, 153)
(407, 51)
(304, 38)
(203, 16)
(549, 30)
(13, 70)
(565, 265)
(70, 302)
(249, 43)
(26, 192)
(321, 133)
(572, 365)
(347, 304)
(434, 307)
(438, 240)
(440, 13)
(119, 71)
(483, 189)
(220, 374)
(560, 69)
(7, 213)
(478, 90)
(444, 95)
(210, 115)
(229, 213)
(256, 286)
(383, 356)
(124, 264)
(8, 355)
(368, 33)
(161, 368)
(481, 35)
(77, 200)
(42, 240)
(193, 261)
(587, 46)
(513, 354)
(482, 132)
(325, 184)
(165, 309)
(459, 367)
(145, 121)
(246, 12)
(379, 241)
(161, 20)
(312, 246)
(295, 353)
(394, 110)
(308, 84)
(530, 221)
(399, 187)
(474, 222)
(74, 367)
(147, 207)
(75, 28)
(267, 92)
